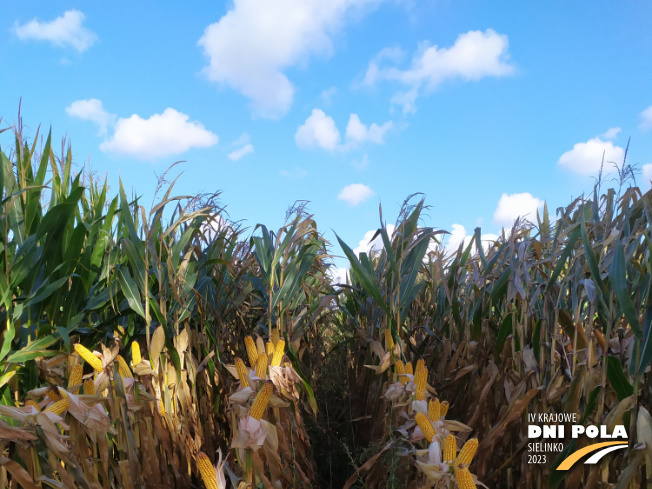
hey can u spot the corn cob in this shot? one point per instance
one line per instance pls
(260, 345)
(269, 350)
(242, 372)
(275, 336)
(443, 409)
(600, 337)
(252, 352)
(32, 402)
(53, 394)
(389, 341)
(59, 406)
(135, 353)
(399, 366)
(279, 351)
(464, 479)
(450, 449)
(408, 369)
(466, 453)
(420, 364)
(90, 358)
(425, 425)
(89, 387)
(261, 366)
(207, 470)
(75, 378)
(261, 400)
(434, 412)
(123, 368)
(420, 379)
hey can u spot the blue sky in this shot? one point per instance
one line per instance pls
(487, 108)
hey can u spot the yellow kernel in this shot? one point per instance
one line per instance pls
(59, 406)
(466, 453)
(269, 350)
(136, 357)
(425, 425)
(275, 336)
(261, 366)
(89, 387)
(434, 410)
(450, 449)
(123, 368)
(443, 409)
(207, 471)
(420, 380)
(242, 372)
(252, 352)
(279, 351)
(89, 356)
(261, 400)
(464, 479)
(75, 378)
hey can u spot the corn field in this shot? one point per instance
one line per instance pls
(170, 348)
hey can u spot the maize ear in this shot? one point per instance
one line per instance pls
(89, 387)
(408, 369)
(466, 453)
(279, 351)
(275, 336)
(59, 406)
(261, 366)
(261, 400)
(75, 378)
(443, 409)
(420, 379)
(32, 402)
(389, 341)
(450, 449)
(124, 369)
(242, 372)
(464, 479)
(136, 357)
(252, 352)
(399, 366)
(426, 426)
(269, 350)
(420, 364)
(90, 358)
(434, 412)
(206, 470)
(53, 394)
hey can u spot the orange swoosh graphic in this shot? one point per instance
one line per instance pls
(575, 456)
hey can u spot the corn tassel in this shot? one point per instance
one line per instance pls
(275, 336)
(59, 406)
(75, 378)
(90, 358)
(207, 470)
(279, 351)
(450, 449)
(443, 409)
(136, 357)
(464, 479)
(426, 426)
(89, 387)
(434, 410)
(261, 400)
(420, 379)
(252, 352)
(32, 402)
(242, 372)
(261, 366)
(466, 453)
(123, 368)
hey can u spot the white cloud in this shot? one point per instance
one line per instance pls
(92, 110)
(355, 193)
(65, 30)
(647, 173)
(318, 130)
(361, 164)
(475, 55)
(240, 152)
(586, 158)
(338, 275)
(510, 207)
(270, 37)
(357, 132)
(295, 173)
(367, 245)
(611, 133)
(166, 134)
(242, 140)
(327, 95)
(646, 119)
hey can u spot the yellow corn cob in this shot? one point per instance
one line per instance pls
(242, 372)
(124, 369)
(261, 400)
(260, 345)
(450, 449)
(89, 387)
(75, 378)
(464, 479)
(275, 336)
(269, 350)
(252, 352)
(53, 394)
(399, 367)
(207, 470)
(434, 410)
(279, 351)
(425, 425)
(466, 453)
(420, 379)
(443, 409)
(32, 402)
(420, 364)
(261, 366)
(59, 406)
(90, 358)
(389, 341)
(408, 368)
(136, 357)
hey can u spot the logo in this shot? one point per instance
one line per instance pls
(554, 429)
